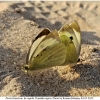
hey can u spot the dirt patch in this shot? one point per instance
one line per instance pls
(20, 23)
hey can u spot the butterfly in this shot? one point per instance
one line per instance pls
(55, 48)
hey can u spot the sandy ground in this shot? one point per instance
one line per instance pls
(20, 23)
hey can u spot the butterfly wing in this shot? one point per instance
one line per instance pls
(51, 56)
(69, 38)
(50, 40)
(50, 52)
(77, 32)
(71, 53)
(68, 31)
(35, 43)
(55, 48)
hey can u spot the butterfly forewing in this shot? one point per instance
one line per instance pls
(50, 40)
(71, 53)
(35, 43)
(68, 31)
(77, 32)
(34, 46)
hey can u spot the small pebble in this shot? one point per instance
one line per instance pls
(17, 10)
(38, 26)
(94, 49)
(3, 26)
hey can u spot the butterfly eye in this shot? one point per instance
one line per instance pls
(71, 38)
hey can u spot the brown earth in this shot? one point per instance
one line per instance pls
(20, 22)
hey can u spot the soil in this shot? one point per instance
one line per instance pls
(21, 22)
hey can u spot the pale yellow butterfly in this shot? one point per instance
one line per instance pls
(55, 48)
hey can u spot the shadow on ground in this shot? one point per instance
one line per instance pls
(89, 37)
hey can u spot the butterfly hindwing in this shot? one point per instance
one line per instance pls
(51, 56)
(46, 53)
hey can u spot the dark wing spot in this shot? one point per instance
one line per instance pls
(71, 38)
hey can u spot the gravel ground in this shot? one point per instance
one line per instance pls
(20, 23)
